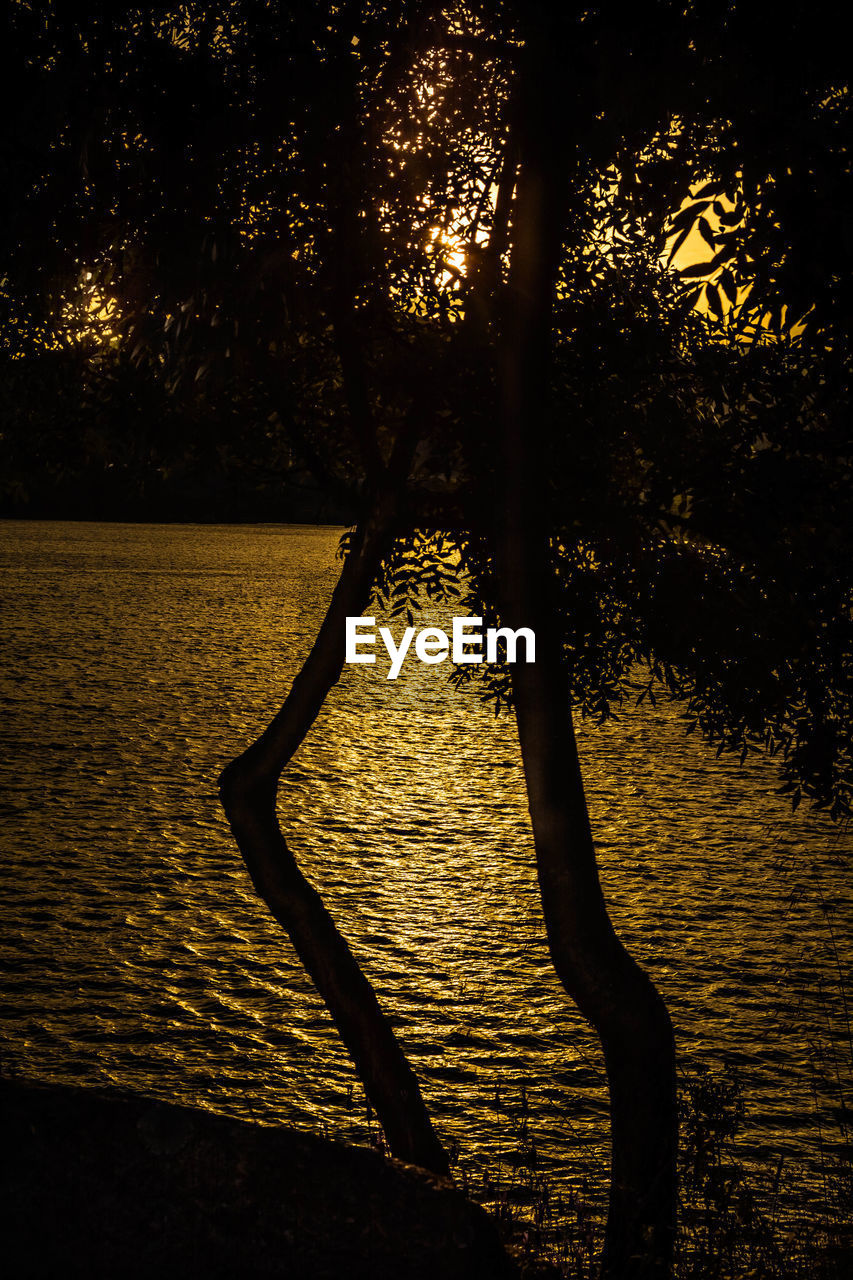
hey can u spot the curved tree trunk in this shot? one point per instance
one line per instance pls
(607, 985)
(248, 789)
(610, 989)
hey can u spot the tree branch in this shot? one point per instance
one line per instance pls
(248, 788)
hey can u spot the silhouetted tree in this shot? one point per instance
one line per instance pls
(430, 241)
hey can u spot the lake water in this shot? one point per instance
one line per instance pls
(138, 659)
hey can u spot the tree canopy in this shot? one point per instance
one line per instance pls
(292, 228)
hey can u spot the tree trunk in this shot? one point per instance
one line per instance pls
(609, 988)
(248, 789)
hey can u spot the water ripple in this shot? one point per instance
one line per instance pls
(139, 659)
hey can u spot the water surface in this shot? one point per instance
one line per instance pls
(138, 659)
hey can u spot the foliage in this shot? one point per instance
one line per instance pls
(300, 220)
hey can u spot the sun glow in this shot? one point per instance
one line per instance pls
(91, 314)
(451, 255)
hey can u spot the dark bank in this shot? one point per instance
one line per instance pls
(106, 1184)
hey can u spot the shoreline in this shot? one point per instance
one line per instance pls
(102, 1183)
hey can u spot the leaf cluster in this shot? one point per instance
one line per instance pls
(304, 218)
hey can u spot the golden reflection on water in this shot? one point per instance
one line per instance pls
(140, 658)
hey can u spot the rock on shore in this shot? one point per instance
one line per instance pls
(102, 1184)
